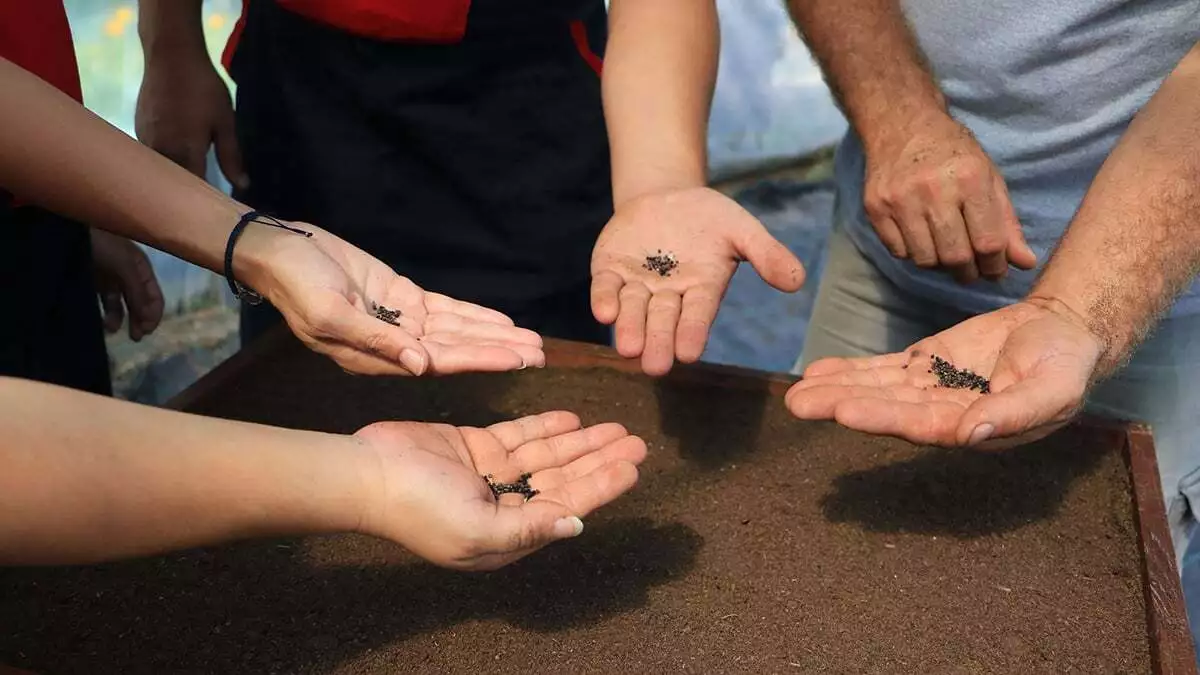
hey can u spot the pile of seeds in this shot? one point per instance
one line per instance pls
(520, 487)
(661, 262)
(949, 376)
(389, 315)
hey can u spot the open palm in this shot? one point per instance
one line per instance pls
(663, 317)
(330, 293)
(1039, 359)
(432, 499)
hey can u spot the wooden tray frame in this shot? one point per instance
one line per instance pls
(1172, 649)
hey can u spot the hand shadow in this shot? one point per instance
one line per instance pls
(967, 492)
(264, 607)
(714, 425)
(294, 387)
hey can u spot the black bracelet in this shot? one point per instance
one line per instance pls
(239, 291)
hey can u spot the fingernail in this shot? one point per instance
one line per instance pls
(981, 434)
(568, 527)
(413, 361)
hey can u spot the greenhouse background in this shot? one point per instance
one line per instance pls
(772, 124)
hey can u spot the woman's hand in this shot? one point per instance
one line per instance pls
(330, 294)
(427, 492)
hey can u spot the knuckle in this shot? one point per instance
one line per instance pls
(969, 170)
(988, 244)
(925, 260)
(956, 257)
(374, 343)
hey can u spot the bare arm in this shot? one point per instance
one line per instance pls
(183, 105)
(872, 63)
(55, 153)
(87, 478)
(659, 75)
(1134, 245)
(171, 27)
(931, 192)
(659, 72)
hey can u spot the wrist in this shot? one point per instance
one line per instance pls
(648, 178)
(171, 29)
(258, 250)
(1109, 348)
(894, 126)
(320, 486)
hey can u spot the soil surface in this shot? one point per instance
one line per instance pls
(754, 543)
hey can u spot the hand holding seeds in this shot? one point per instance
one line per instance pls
(661, 266)
(1003, 378)
(492, 495)
(351, 307)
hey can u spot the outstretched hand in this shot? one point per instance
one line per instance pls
(664, 314)
(333, 296)
(1039, 356)
(429, 494)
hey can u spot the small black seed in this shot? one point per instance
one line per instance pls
(520, 487)
(954, 378)
(663, 263)
(387, 315)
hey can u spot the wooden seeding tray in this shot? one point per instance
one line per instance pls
(753, 543)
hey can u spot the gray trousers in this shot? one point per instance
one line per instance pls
(859, 312)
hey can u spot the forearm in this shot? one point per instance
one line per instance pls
(659, 72)
(871, 62)
(171, 27)
(1134, 244)
(55, 153)
(85, 478)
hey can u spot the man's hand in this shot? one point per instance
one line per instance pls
(331, 295)
(184, 107)
(660, 318)
(427, 490)
(125, 280)
(933, 195)
(1039, 356)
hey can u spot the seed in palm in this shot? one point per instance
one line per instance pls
(955, 378)
(662, 263)
(520, 487)
(391, 316)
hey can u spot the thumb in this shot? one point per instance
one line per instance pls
(114, 311)
(1019, 252)
(1018, 407)
(778, 266)
(229, 154)
(365, 334)
(524, 529)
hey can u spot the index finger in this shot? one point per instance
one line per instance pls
(605, 294)
(836, 364)
(348, 326)
(436, 303)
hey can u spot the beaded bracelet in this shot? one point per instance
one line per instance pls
(241, 292)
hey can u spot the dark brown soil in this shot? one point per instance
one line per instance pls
(754, 543)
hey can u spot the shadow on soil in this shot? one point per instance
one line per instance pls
(264, 607)
(968, 493)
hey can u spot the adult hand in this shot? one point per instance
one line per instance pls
(1038, 354)
(660, 318)
(125, 280)
(330, 292)
(183, 107)
(429, 495)
(933, 195)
